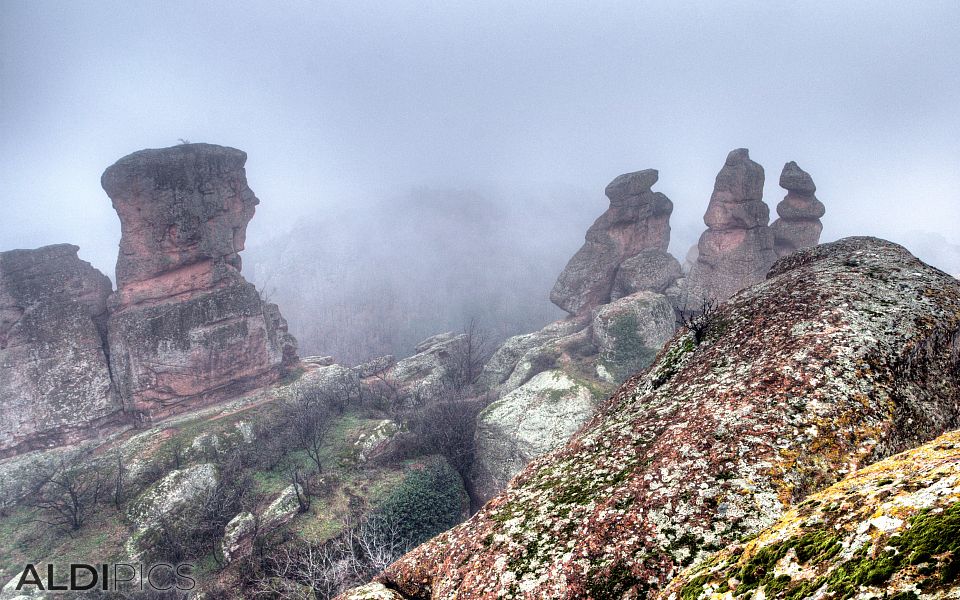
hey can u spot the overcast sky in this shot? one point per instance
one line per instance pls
(337, 103)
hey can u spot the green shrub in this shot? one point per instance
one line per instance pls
(428, 501)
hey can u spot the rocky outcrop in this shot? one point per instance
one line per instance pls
(437, 366)
(176, 501)
(528, 422)
(650, 270)
(799, 224)
(736, 250)
(185, 328)
(55, 384)
(844, 356)
(891, 530)
(629, 332)
(637, 220)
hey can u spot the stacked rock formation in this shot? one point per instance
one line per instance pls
(185, 327)
(844, 356)
(637, 220)
(799, 224)
(736, 250)
(54, 379)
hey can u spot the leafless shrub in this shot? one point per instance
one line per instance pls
(67, 494)
(700, 321)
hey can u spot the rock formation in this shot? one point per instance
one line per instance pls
(844, 356)
(736, 250)
(185, 328)
(637, 220)
(533, 419)
(799, 224)
(54, 379)
(890, 530)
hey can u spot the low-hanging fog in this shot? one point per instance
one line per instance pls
(423, 164)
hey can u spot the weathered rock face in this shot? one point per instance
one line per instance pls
(736, 250)
(528, 422)
(889, 530)
(637, 219)
(522, 356)
(629, 333)
(54, 381)
(844, 356)
(799, 224)
(429, 373)
(185, 328)
(650, 270)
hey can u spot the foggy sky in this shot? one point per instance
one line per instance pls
(339, 104)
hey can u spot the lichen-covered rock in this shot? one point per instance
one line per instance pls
(375, 366)
(630, 331)
(185, 328)
(372, 591)
(650, 270)
(528, 422)
(799, 224)
(238, 536)
(847, 354)
(637, 219)
(374, 439)
(282, 510)
(176, 499)
(55, 385)
(436, 366)
(890, 530)
(516, 360)
(736, 250)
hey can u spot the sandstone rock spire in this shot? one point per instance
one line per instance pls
(799, 224)
(185, 327)
(637, 219)
(736, 250)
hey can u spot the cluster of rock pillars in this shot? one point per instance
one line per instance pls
(184, 329)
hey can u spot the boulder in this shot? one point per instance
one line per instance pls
(55, 385)
(799, 224)
(650, 270)
(428, 374)
(238, 536)
(636, 220)
(185, 328)
(736, 250)
(533, 419)
(175, 501)
(845, 355)
(520, 349)
(375, 439)
(888, 531)
(375, 366)
(629, 332)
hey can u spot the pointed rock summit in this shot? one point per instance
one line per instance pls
(638, 219)
(185, 327)
(799, 224)
(736, 250)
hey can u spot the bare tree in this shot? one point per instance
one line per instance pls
(699, 321)
(306, 417)
(67, 494)
(471, 356)
(302, 490)
(300, 571)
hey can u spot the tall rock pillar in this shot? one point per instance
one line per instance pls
(185, 328)
(799, 224)
(736, 250)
